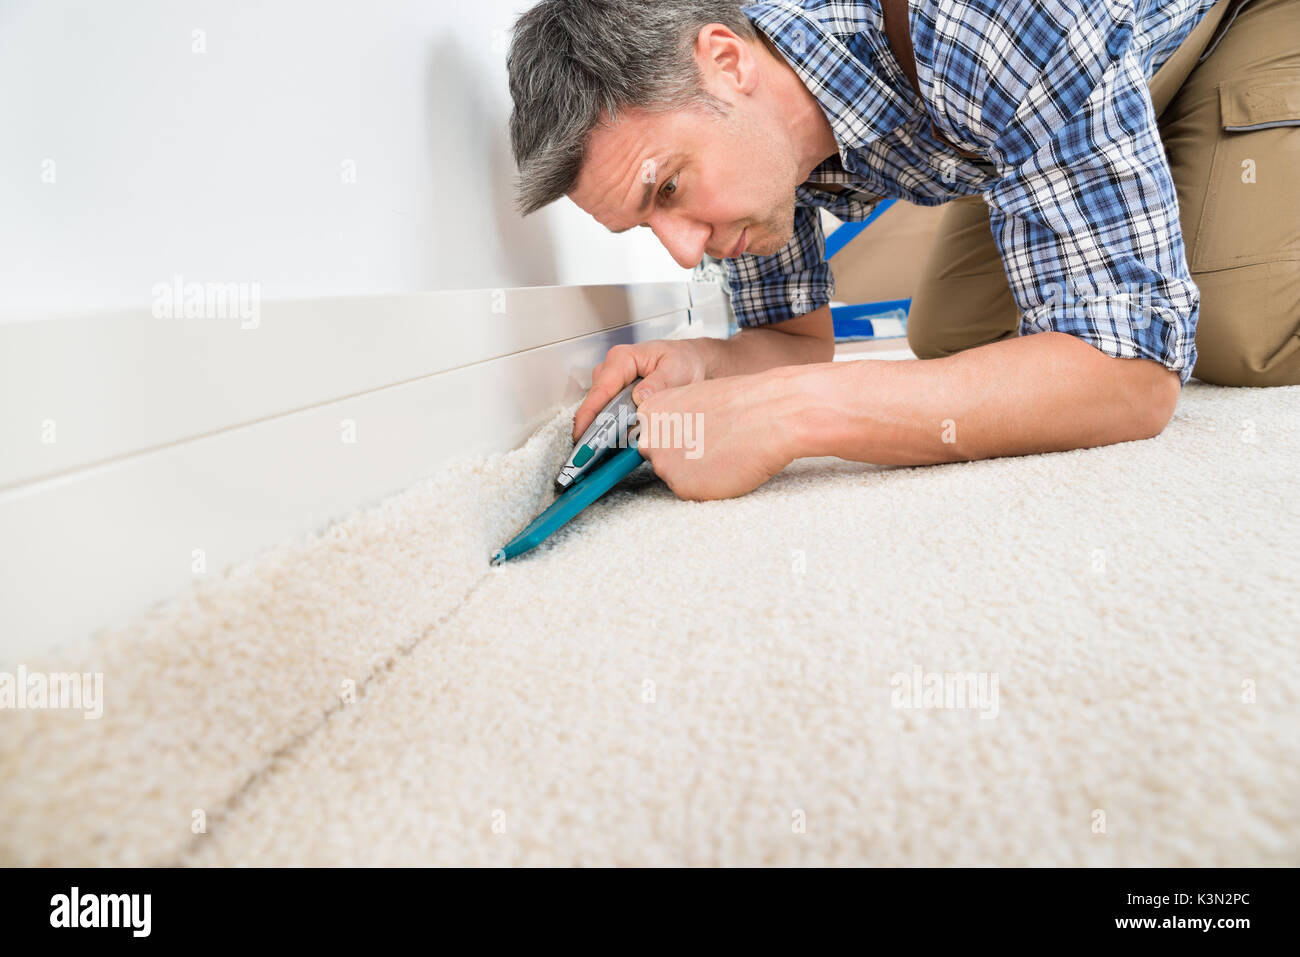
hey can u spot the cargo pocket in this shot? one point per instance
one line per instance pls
(1252, 206)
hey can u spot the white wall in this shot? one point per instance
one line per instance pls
(227, 165)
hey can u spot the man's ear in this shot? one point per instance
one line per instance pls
(727, 63)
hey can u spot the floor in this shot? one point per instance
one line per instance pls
(1079, 658)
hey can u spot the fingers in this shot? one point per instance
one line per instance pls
(621, 366)
(651, 384)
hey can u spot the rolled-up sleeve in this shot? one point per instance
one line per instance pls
(1085, 214)
(789, 283)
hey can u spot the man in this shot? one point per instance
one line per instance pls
(1058, 310)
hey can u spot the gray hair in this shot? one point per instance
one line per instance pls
(574, 63)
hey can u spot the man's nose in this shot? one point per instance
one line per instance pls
(684, 239)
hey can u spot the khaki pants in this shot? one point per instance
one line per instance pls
(1238, 198)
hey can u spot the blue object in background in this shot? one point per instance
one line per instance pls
(861, 321)
(856, 321)
(849, 231)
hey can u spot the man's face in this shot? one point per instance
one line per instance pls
(704, 183)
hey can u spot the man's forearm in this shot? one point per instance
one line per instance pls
(1040, 393)
(804, 339)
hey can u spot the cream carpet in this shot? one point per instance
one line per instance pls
(668, 682)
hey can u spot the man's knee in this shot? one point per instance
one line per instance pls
(953, 314)
(1248, 333)
(1237, 367)
(932, 334)
(1239, 371)
(925, 336)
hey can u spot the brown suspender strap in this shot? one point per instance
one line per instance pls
(898, 33)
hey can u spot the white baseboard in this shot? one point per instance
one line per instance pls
(173, 436)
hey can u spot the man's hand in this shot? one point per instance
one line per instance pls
(721, 437)
(668, 363)
(661, 364)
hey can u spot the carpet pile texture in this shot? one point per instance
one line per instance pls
(1078, 658)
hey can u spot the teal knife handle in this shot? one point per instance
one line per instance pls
(563, 510)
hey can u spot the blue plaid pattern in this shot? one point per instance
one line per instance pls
(1052, 97)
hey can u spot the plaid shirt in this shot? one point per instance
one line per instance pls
(1051, 95)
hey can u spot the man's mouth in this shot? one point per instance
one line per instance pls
(740, 244)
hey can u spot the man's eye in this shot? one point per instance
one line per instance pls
(670, 187)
